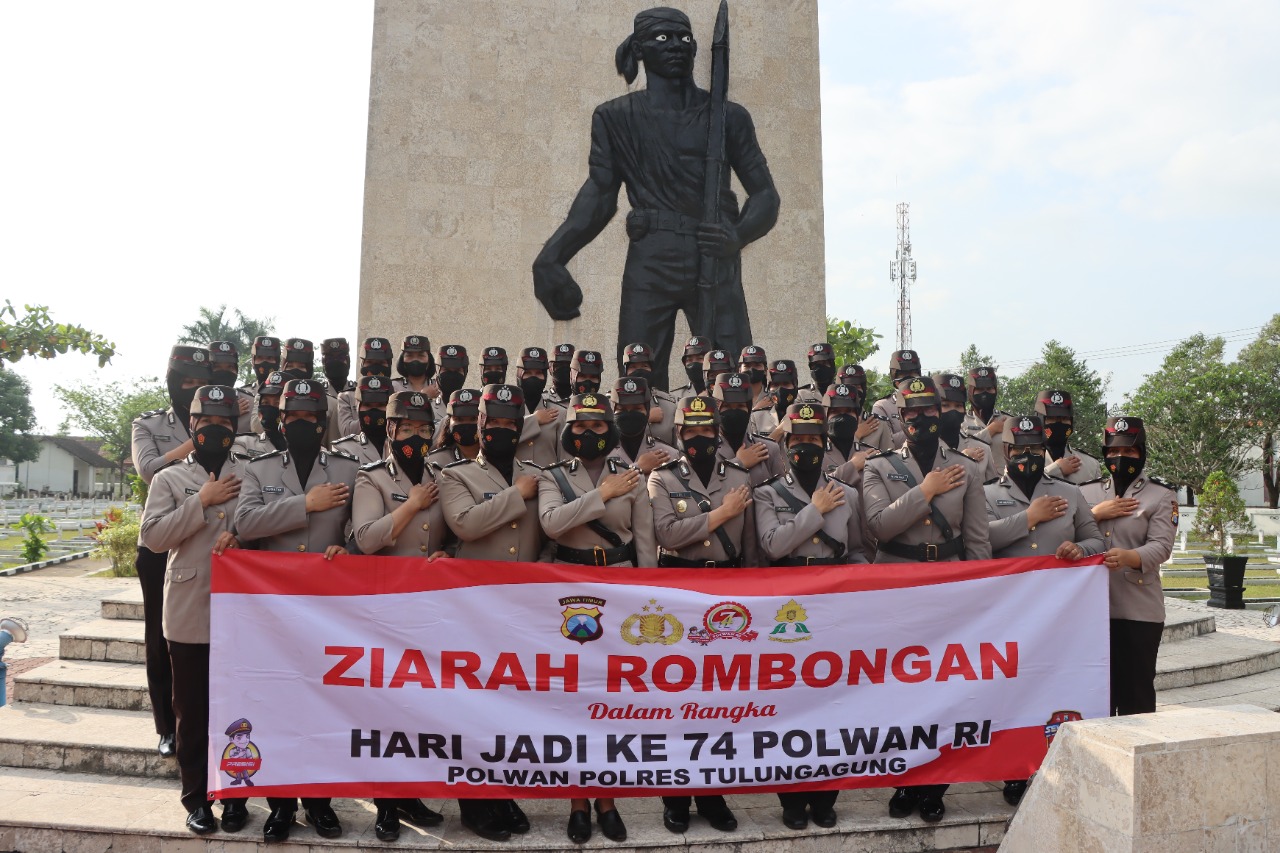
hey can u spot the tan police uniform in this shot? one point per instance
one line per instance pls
(629, 516)
(253, 445)
(1007, 507)
(359, 446)
(489, 517)
(665, 430)
(790, 537)
(770, 467)
(991, 464)
(1090, 467)
(273, 504)
(541, 442)
(380, 488)
(647, 444)
(680, 514)
(155, 434)
(898, 513)
(348, 412)
(1150, 530)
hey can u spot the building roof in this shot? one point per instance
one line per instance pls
(84, 449)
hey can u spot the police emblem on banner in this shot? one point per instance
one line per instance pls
(1056, 721)
(791, 628)
(652, 625)
(582, 618)
(727, 620)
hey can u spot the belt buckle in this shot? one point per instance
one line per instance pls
(808, 561)
(599, 556)
(709, 564)
(931, 553)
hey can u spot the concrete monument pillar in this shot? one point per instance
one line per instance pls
(479, 123)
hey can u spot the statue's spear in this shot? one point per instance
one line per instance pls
(707, 267)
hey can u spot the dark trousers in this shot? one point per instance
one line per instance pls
(815, 800)
(151, 567)
(924, 791)
(291, 803)
(681, 803)
(191, 711)
(1134, 646)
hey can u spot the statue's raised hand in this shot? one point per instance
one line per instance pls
(556, 290)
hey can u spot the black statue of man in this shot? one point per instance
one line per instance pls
(655, 142)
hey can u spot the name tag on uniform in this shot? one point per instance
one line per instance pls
(902, 477)
(400, 498)
(164, 438)
(193, 491)
(273, 490)
(783, 509)
(1006, 503)
(680, 494)
(488, 495)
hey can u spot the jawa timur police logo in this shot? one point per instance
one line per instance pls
(414, 341)
(1122, 425)
(589, 358)
(1055, 398)
(504, 395)
(582, 618)
(842, 390)
(215, 394)
(224, 347)
(791, 627)
(1026, 425)
(652, 625)
(1056, 721)
(564, 348)
(752, 350)
(197, 356)
(493, 353)
(374, 383)
(727, 620)
(630, 386)
(735, 381)
(240, 757)
(417, 400)
(297, 345)
(954, 382)
(638, 349)
(302, 389)
(535, 353)
(465, 397)
(375, 344)
(908, 355)
(780, 367)
(450, 351)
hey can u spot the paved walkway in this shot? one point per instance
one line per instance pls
(1242, 623)
(54, 600)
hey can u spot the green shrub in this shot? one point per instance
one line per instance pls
(33, 546)
(1221, 512)
(118, 542)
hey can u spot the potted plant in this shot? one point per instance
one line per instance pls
(1222, 511)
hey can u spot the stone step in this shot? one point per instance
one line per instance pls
(1262, 689)
(90, 684)
(36, 735)
(104, 639)
(1181, 624)
(1213, 657)
(42, 810)
(124, 605)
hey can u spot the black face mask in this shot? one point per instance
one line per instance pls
(212, 446)
(304, 438)
(642, 373)
(532, 388)
(786, 396)
(1026, 469)
(842, 427)
(756, 374)
(694, 371)
(450, 381)
(823, 375)
(805, 458)
(416, 369)
(632, 424)
(733, 423)
(411, 456)
(337, 374)
(500, 443)
(465, 435)
(700, 448)
(587, 445)
(560, 381)
(262, 371)
(270, 417)
(373, 423)
(296, 373)
(1124, 470)
(984, 404)
(922, 435)
(225, 377)
(1055, 438)
(494, 377)
(181, 397)
(586, 385)
(949, 426)
(376, 368)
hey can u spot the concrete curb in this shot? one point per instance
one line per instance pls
(31, 567)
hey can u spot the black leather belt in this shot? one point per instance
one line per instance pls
(597, 556)
(670, 561)
(643, 220)
(925, 553)
(811, 561)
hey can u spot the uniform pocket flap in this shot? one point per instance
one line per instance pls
(181, 575)
(1136, 577)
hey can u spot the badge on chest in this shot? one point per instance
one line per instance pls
(273, 490)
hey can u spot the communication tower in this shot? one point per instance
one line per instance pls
(902, 272)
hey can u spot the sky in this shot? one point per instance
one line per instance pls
(1101, 173)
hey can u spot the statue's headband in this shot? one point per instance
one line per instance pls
(643, 26)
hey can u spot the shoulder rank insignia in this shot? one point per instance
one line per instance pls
(457, 463)
(272, 455)
(1091, 482)
(370, 466)
(342, 454)
(1165, 483)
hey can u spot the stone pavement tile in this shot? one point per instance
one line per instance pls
(53, 605)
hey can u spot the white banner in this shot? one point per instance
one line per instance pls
(383, 676)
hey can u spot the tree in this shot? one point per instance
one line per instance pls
(972, 358)
(217, 324)
(1221, 512)
(1059, 368)
(1200, 413)
(17, 420)
(36, 334)
(1262, 358)
(851, 344)
(107, 412)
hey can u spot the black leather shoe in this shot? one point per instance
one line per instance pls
(718, 814)
(387, 824)
(1014, 791)
(579, 828)
(484, 823)
(796, 818)
(235, 814)
(325, 821)
(416, 813)
(167, 747)
(676, 820)
(903, 802)
(510, 816)
(611, 824)
(201, 821)
(824, 817)
(932, 809)
(277, 827)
